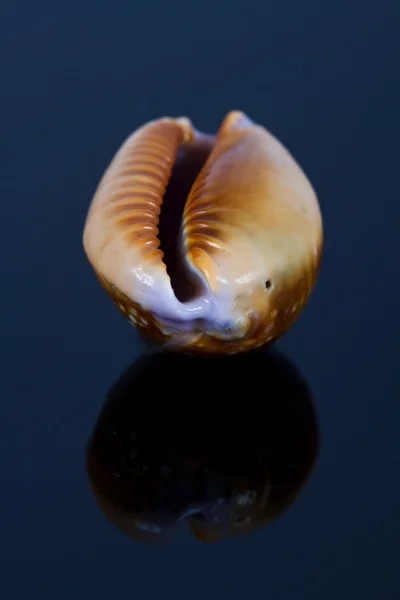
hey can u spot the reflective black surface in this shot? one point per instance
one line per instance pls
(76, 78)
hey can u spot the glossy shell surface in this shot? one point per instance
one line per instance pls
(247, 250)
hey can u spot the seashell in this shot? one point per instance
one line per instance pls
(224, 471)
(207, 244)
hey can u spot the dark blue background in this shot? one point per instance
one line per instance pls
(76, 78)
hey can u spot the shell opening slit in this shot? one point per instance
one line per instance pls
(189, 160)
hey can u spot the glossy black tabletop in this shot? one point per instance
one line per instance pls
(275, 476)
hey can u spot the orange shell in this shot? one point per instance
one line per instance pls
(247, 251)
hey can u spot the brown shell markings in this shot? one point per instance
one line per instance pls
(207, 244)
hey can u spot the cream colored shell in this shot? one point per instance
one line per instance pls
(250, 239)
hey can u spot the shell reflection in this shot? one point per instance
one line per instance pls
(229, 460)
